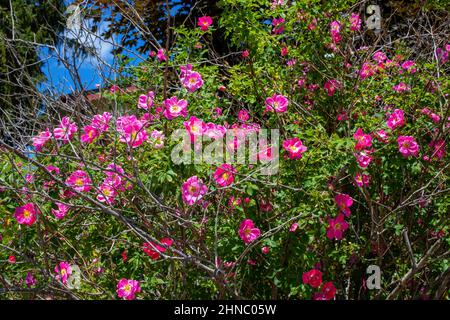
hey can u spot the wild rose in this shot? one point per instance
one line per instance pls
(132, 131)
(367, 70)
(331, 86)
(438, 148)
(243, 115)
(193, 190)
(313, 278)
(80, 181)
(295, 148)
(224, 175)
(355, 22)
(407, 146)
(335, 29)
(157, 139)
(90, 133)
(284, 51)
(362, 179)
(192, 81)
(248, 232)
(195, 127)
(245, 54)
(106, 193)
(277, 102)
(344, 202)
(293, 227)
(175, 108)
(265, 250)
(336, 227)
(41, 139)
(396, 119)
(234, 202)
(214, 131)
(265, 206)
(381, 136)
(146, 101)
(127, 288)
(26, 214)
(65, 130)
(363, 140)
(401, 87)
(379, 57)
(161, 55)
(408, 65)
(278, 25)
(114, 88)
(154, 250)
(62, 210)
(30, 280)
(329, 290)
(63, 270)
(101, 122)
(434, 117)
(204, 23)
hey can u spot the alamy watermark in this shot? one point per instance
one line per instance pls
(233, 146)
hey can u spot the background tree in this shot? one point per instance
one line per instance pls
(25, 28)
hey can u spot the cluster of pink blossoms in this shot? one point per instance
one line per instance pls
(338, 225)
(401, 87)
(278, 25)
(62, 210)
(146, 101)
(431, 115)
(41, 139)
(131, 130)
(65, 130)
(190, 79)
(364, 141)
(313, 278)
(355, 22)
(154, 250)
(114, 182)
(127, 288)
(331, 86)
(99, 124)
(335, 31)
(396, 119)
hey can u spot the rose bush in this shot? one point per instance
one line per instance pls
(362, 178)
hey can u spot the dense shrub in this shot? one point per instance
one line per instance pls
(362, 178)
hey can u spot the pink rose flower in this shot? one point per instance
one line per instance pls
(127, 289)
(407, 146)
(26, 214)
(193, 190)
(336, 227)
(295, 148)
(80, 181)
(204, 23)
(247, 231)
(277, 102)
(224, 175)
